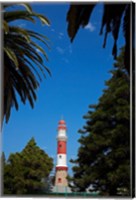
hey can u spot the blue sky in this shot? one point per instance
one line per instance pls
(79, 71)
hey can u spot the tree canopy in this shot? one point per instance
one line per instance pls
(27, 172)
(23, 65)
(103, 160)
(114, 14)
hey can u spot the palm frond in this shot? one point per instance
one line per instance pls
(17, 15)
(10, 53)
(25, 15)
(19, 31)
(14, 98)
(39, 37)
(26, 5)
(111, 21)
(40, 49)
(22, 62)
(78, 15)
(5, 27)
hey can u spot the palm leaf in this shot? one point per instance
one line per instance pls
(40, 49)
(33, 68)
(11, 56)
(26, 5)
(22, 61)
(14, 98)
(6, 27)
(39, 37)
(78, 15)
(43, 19)
(16, 15)
(22, 32)
(8, 103)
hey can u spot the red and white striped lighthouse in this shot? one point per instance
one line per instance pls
(61, 167)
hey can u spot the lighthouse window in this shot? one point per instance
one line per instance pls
(60, 145)
(60, 156)
(59, 180)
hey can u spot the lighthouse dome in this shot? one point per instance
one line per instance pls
(61, 122)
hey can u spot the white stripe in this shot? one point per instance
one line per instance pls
(62, 135)
(61, 159)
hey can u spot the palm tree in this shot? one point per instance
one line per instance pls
(23, 66)
(113, 14)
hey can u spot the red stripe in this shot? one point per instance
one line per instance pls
(61, 168)
(61, 147)
(62, 128)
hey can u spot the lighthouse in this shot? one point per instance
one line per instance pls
(61, 182)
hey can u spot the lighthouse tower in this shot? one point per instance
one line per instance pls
(61, 167)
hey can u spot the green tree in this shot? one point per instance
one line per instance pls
(79, 15)
(3, 162)
(26, 172)
(23, 65)
(103, 161)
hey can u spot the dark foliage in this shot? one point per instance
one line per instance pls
(27, 172)
(113, 15)
(23, 65)
(103, 161)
